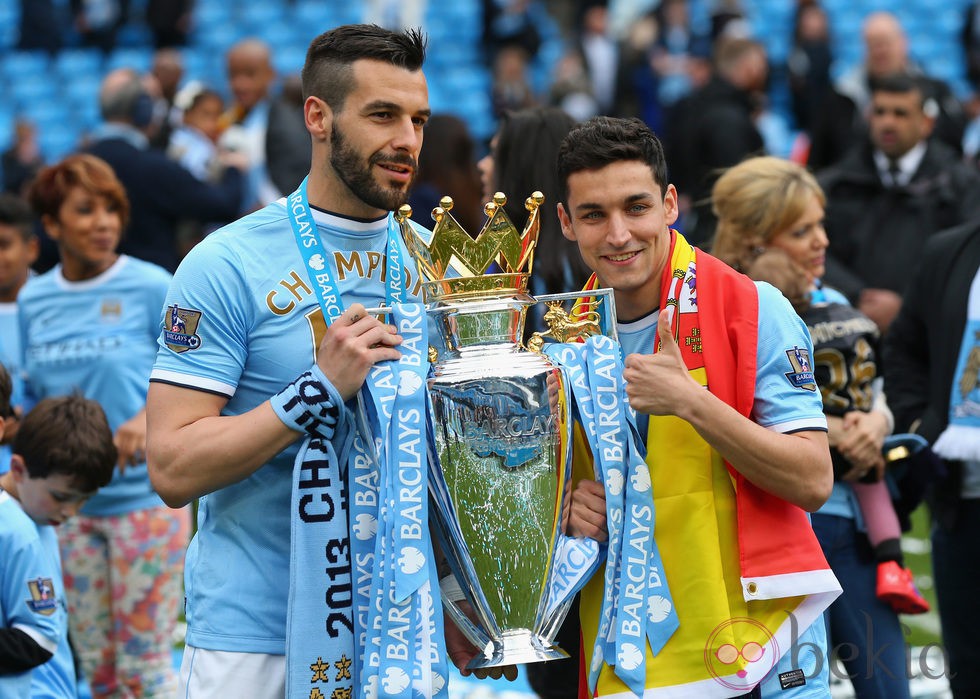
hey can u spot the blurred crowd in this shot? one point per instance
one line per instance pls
(698, 72)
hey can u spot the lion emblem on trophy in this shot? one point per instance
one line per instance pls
(562, 328)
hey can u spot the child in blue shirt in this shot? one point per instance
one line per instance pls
(62, 454)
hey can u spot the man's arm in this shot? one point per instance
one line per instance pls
(193, 450)
(795, 467)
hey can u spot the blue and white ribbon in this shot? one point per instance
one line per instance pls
(395, 641)
(636, 605)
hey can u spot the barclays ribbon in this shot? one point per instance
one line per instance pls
(637, 605)
(394, 625)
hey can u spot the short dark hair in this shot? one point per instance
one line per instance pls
(602, 141)
(328, 74)
(6, 390)
(15, 212)
(69, 435)
(899, 83)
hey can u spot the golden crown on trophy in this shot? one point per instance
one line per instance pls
(455, 265)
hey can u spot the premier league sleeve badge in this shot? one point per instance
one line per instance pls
(802, 374)
(180, 331)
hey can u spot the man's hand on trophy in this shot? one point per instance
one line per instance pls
(351, 345)
(659, 384)
(461, 651)
(587, 515)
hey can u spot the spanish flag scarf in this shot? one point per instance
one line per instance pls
(748, 573)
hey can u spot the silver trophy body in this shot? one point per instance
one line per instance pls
(502, 436)
(501, 429)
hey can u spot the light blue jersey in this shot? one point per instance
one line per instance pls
(12, 359)
(32, 599)
(779, 404)
(98, 337)
(245, 306)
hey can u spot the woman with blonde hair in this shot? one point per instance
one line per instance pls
(757, 203)
(770, 226)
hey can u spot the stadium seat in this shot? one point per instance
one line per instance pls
(19, 63)
(70, 63)
(138, 58)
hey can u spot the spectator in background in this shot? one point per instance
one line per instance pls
(160, 190)
(287, 142)
(168, 69)
(637, 81)
(170, 21)
(888, 195)
(510, 23)
(842, 119)
(714, 128)
(809, 62)
(932, 355)
(600, 55)
(98, 21)
(570, 88)
(447, 166)
(672, 53)
(523, 158)
(90, 326)
(18, 251)
(194, 143)
(40, 26)
(250, 76)
(21, 162)
(194, 146)
(511, 86)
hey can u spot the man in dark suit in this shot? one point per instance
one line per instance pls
(888, 195)
(160, 191)
(927, 367)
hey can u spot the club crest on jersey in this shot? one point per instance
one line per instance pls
(802, 374)
(42, 599)
(111, 310)
(180, 333)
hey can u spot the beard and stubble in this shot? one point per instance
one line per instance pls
(357, 174)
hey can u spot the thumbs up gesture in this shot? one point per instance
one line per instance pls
(659, 384)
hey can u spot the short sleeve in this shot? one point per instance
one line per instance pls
(202, 343)
(31, 591)
(786, 395)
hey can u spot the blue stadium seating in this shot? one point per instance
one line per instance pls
(24, 64)
(78, 61)
(459, 82)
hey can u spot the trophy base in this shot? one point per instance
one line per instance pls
(516, 648)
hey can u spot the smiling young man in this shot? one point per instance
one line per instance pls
(734, 468)
(246, 333)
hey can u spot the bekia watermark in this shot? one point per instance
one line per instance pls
(759, 651)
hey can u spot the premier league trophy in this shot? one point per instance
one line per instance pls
(502, 431)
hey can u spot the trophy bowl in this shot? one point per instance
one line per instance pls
(501, 439)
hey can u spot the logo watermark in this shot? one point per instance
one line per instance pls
(760, 651)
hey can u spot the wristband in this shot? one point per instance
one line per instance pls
(451, 589)
(309, 404)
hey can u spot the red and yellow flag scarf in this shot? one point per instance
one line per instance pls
(744, 567)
